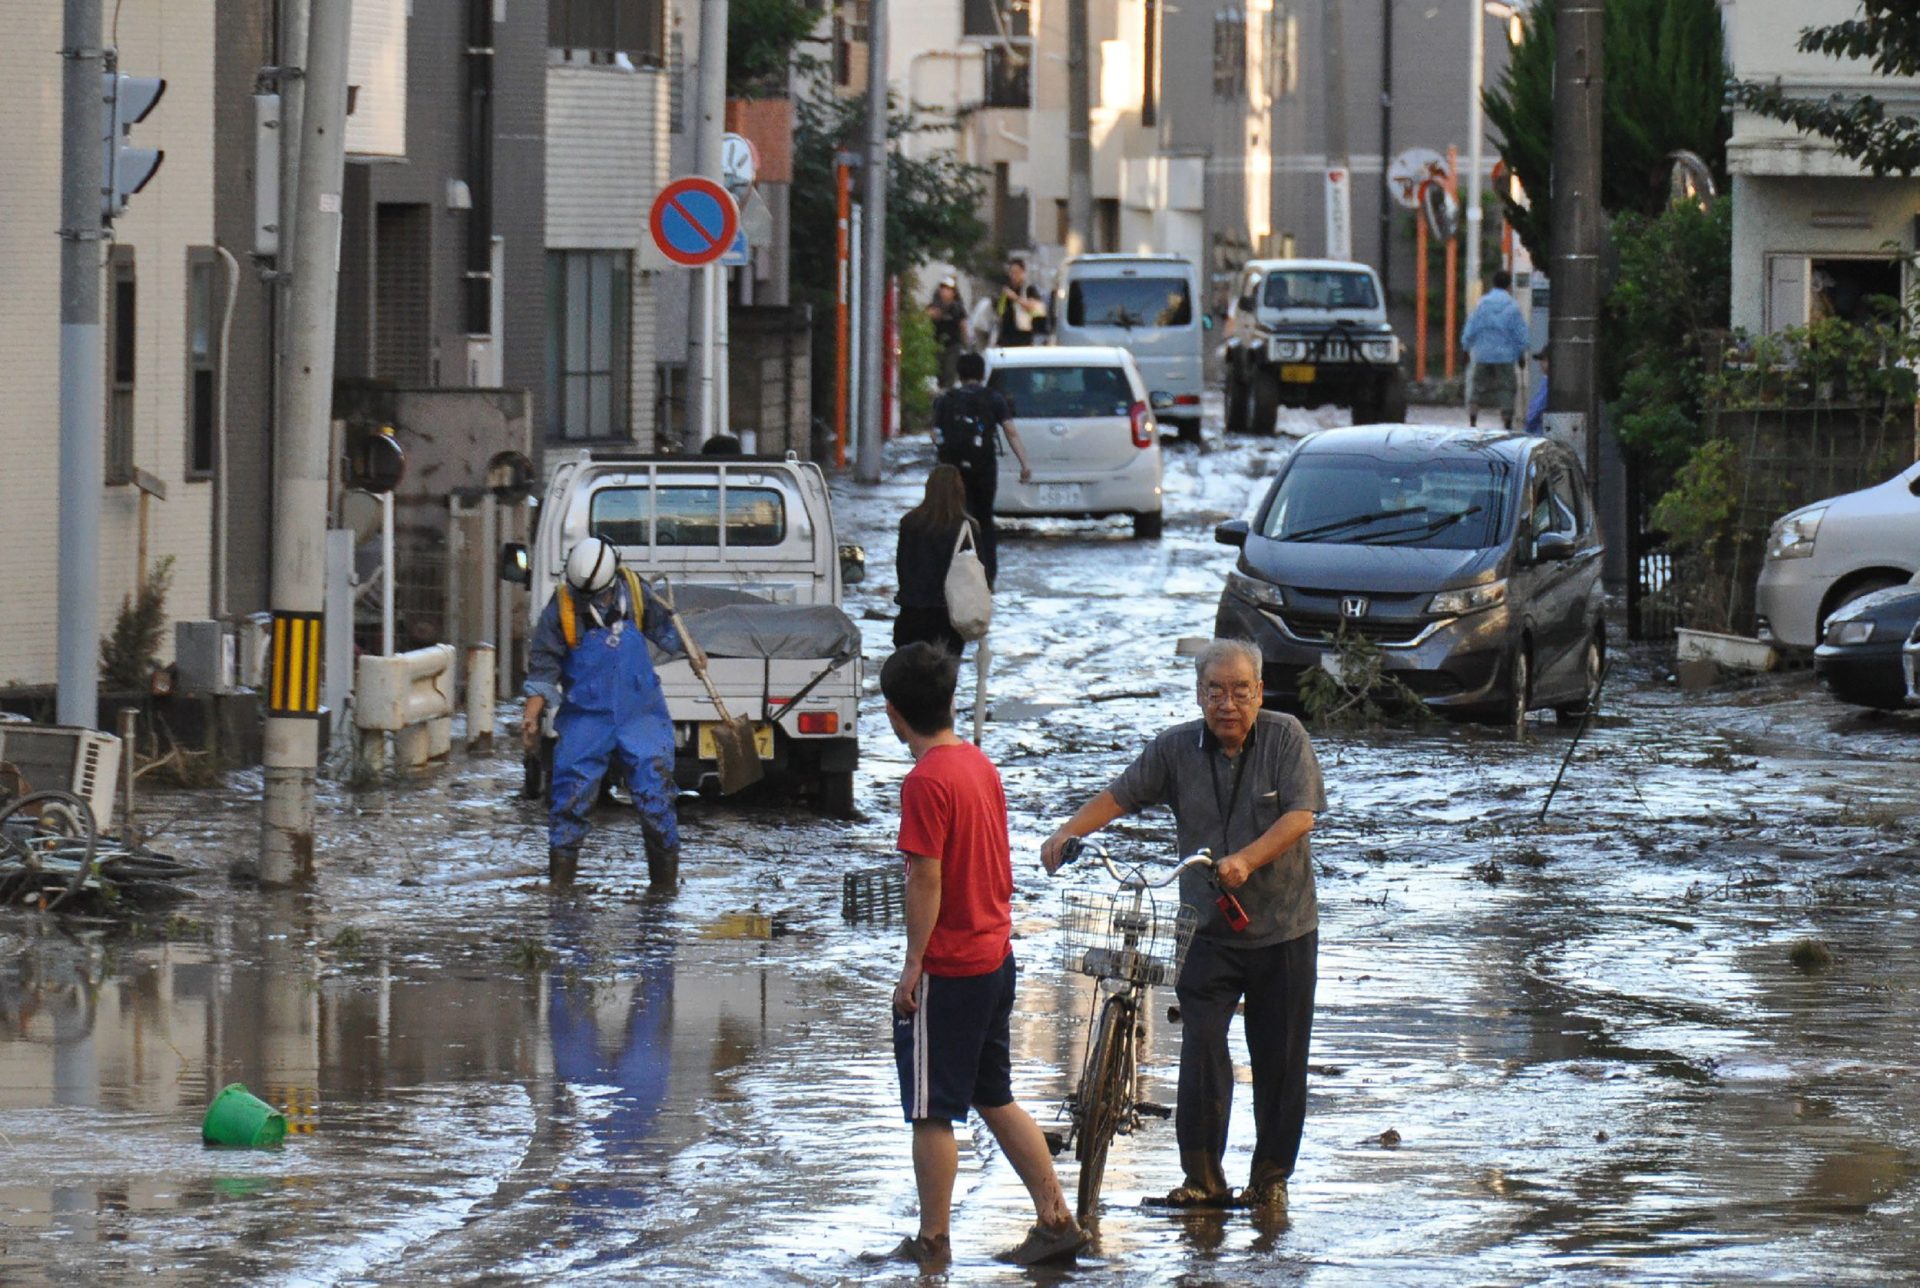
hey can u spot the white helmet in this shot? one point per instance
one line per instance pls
(591, 566)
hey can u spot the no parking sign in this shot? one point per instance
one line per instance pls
(694, 221)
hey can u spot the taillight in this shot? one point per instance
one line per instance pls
(1142, 426)
(819, 722)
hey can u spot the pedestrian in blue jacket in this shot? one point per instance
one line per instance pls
(590, 649)
(1496, 341)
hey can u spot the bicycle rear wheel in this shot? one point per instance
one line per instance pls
(1103, 1089)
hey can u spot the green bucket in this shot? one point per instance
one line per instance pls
(238, 1117)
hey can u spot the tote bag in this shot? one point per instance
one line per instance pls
(969, 599)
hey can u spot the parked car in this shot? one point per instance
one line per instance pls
(1144, 304)
(1082, 413)
(1469, 557)
(1307, 333)
(1859, 656)
(1825, 555)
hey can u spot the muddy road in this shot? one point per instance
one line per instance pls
(1600, 1063)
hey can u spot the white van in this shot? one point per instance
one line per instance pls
(1148, 305)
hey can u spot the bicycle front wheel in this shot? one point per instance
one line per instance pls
(1102, 1100)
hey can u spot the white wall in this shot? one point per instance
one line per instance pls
(377, 68)
(170, 38)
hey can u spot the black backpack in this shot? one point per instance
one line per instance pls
(966, 429)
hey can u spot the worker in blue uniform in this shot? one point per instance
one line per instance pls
(590, 649)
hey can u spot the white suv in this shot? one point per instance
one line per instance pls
(1081, 412)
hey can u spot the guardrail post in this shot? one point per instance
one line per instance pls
(481, 661)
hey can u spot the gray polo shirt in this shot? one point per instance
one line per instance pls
(1185, 768)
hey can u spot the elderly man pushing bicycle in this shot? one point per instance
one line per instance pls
(1244, 784)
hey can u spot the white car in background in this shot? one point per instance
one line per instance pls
(1081, 412)
(1830, 553)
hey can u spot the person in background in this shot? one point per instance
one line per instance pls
(953, 1004)
(1495, 340)
(969, 421)
(927, 536)
(949, 314)
(1020, 311)
(721, 445)
(1537, 405)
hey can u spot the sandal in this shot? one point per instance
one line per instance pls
(1192, 1197)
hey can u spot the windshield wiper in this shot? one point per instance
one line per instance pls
(1420, 530)
(1308, 534)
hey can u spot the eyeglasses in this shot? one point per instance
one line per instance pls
(1239, 694)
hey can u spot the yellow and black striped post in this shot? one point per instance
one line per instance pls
(294, 686)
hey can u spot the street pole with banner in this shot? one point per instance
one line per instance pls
(1339, 213)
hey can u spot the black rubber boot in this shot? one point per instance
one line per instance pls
(563, 864)
(663, 867)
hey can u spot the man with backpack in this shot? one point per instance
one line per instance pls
(968, 422)
(591, 648)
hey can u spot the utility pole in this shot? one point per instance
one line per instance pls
(1079, 131)
(1476, 127)
(873, 250)
(708, 295)
(300, 452)
(82, 375)
(1339, 190)
(1386, 146)
(1573, 329)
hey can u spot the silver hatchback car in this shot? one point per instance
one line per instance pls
(1828, 554)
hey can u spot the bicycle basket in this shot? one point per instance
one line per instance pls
(1106, 937)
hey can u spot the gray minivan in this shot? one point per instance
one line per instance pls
(1469, 557)
(1149, 306)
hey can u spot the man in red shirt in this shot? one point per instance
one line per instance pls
(955, 995)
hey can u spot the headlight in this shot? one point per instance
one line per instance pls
(1455, 603)
(1792, 537)
(1387, 350)
(1254, 591)
(1289, 350)
(1854, 632)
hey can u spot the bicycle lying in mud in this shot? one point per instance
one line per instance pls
(1128, 942)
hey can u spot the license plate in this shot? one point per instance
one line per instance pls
(762, 741)
(1297, 373)
(1059, 496)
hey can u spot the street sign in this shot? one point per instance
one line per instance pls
(693, 221)
(739, 161)
(1410, 170)
(736, 256)
(1339, 214)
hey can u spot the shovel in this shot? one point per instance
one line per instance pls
(736, 756)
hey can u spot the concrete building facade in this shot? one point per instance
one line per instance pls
(1813, 234)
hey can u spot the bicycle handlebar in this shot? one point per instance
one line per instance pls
(1135, 877)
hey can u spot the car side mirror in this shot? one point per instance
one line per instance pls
(1231, 533)
(1552, 547)
(853, 565)
(514, 564)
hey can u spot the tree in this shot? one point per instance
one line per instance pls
(1666, 73)
(1887, 35)
(762, 36)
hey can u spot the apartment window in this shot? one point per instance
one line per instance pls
(1283, 52)
(849, 34)
(588, 308)
(676, 83)
(122, 322)
(202, 360)
(1009, 76)
(603, 28)
(996, 19)
(1150, 66)
(1229, 53)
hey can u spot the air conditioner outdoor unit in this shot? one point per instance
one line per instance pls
(58, 758)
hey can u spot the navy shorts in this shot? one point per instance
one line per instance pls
(954, 1051)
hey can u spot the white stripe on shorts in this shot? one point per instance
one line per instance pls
(922, 1092)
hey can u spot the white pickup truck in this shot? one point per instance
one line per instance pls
(747, 544)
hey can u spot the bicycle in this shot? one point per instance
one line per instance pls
(1122, 941)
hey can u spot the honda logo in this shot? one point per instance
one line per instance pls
(1353, 606)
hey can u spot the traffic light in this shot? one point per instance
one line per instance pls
(127, 169)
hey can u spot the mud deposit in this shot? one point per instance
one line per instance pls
(1598, 1058)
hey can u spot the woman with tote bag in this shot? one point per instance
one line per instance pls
(931, 534)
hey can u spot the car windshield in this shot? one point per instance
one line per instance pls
(1320, 288)
(1064, 391)
(1439, 503)
(1129, 302)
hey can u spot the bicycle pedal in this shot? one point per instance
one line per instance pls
(1152, 1110)
(1056, 1141)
